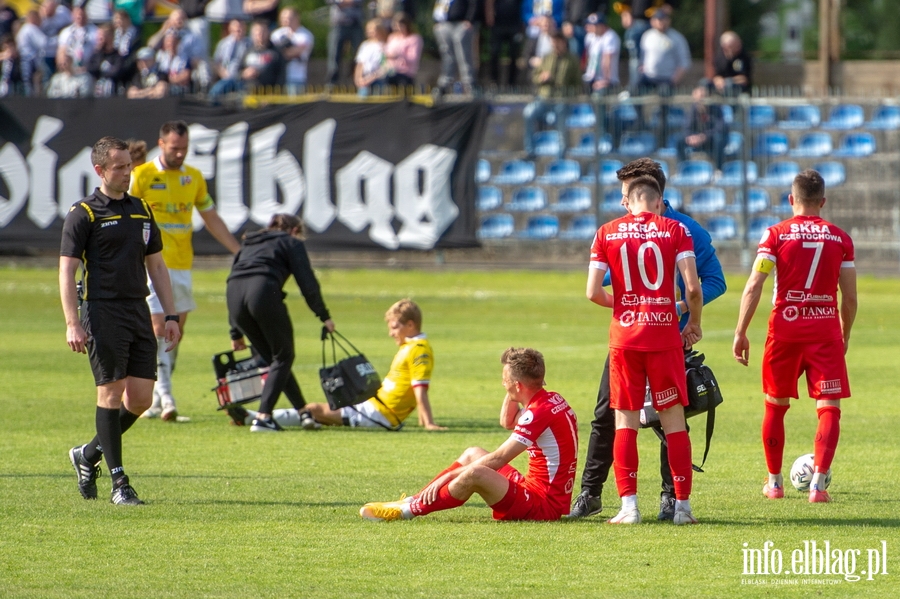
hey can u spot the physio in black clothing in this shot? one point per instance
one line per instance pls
(114, 237)
(256, 308)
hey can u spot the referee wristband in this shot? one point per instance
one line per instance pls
(173, 318)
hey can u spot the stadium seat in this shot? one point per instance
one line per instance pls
(845, 116)
(489, 198)
(780, 173)
(675, 120)
(812, 145)
(547, 143)
(637, 143)
(734, 144)
(544, 226)
(886, 117)
(496, 226)
(528, 199)
(733, 173)
(805, 116)
(581, 116)
(515, 172)
(693, 173)
(707, 199)
(573, 199)
(771, 143)
(560, 172)
(784, 204)
(856, 145)
(673, 196)
(582, 227)
(762, 116)
(722, 228)
(625, 115)
(758, 201)
(585, 148)
(758, 227)
(832, 172)
(482, 171)
(608, 170)
(727, 114)
(612, 202)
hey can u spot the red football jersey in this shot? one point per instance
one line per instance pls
(641, 253)
(549, 428)
(809, 253)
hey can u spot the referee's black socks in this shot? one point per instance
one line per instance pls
(93, 451)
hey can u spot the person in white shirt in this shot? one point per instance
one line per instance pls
(54, 17)
(370, 59)
(602, 47)
(77, 40)
(30, 43)
(296, 44)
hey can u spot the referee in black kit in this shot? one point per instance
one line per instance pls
(114, 237)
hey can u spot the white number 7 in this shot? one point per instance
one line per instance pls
(818, 245)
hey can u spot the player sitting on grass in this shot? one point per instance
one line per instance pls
(404, 389)
(544, 425)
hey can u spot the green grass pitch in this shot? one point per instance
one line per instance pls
(235, 514)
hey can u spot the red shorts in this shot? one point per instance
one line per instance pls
(631, 369)
(826, 370)
(521, 504)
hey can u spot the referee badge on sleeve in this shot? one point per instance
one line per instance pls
(146, 233)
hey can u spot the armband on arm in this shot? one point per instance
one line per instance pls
(763, 265)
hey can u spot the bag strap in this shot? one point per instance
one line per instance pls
(710, 425)
(325, 336)
(393, 429)
(333, 334)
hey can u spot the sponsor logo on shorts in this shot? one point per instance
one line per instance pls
(666, 397)
(790, 313)
(679, 479)
(830, 386)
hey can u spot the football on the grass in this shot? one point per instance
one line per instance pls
(802, 472)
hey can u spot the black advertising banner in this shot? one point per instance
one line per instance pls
(391, 175)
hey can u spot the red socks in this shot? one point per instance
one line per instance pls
(827, 434)
(625, 461)
(449, 468)
(773, 436)
(445, 501)
(679, 445)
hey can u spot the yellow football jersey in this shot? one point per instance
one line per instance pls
(173, 194)
(410, 368)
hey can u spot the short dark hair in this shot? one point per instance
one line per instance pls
(100, 151)
(643, 185)
(179, 128)
(808, 187)
(559, 36)
(526, 365)
(287, 223)
(643, 167)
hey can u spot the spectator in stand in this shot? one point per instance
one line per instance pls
(371, 67)
(557, 78)
(602, 47)
(8, 17)
(134, 8)
(78, 40)
(504, 21)
(262, 10)
(106, 64)
(148, 82)
(706, 129)
(296, 45)
(346, 18)
(127, 40)
(188, 46)
(31, 43)
(543, 44)
(67, 83)
(532, 11)
(54, 17)
(197, 24)
(97, 11)
(453, 32)
(733, 66)
(172, 62)
(11, 82)
(575, 14)
(228, 59)
(403, 51)
(665, 58)
(636, 20)
(386, 10)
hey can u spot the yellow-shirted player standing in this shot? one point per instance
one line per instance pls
(173, 189)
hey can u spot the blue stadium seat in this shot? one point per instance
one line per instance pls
(625, 115)
(771, 143)
(674, 197)
(675, 120)
(832, 172)
(727, 114)
(722, 228)
(482, 171)
(489, 198)
(733, 173)
(515, 172)
(780, 173)
(544, 226)
(886, 117)
(496, 226)
(805, 116)
(585, 148)
(581, 116)
(784, 204)
(637, 143)
(845, 116)
(665, 168)
(856, 145)
(582, 227)
(528, 199)
(759, 225)
(762, 116)
(758, 200)
(608, 170)
(693, 173)
(573, 199)
(547, 143)
(734, 144)
(707, 199)
(812, 145)
(561, 172)
(612, 202)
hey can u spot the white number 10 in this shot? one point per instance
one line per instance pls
(642, 266)
(818, 245)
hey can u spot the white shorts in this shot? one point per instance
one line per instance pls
(182, 289)
(364, 415)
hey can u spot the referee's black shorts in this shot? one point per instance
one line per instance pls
(121, 342)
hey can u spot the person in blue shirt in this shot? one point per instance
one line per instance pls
(603, 427)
